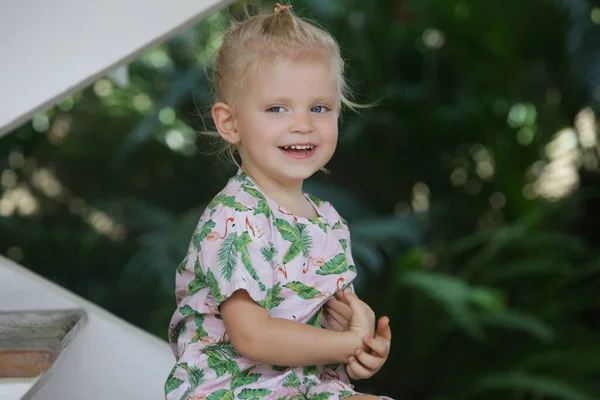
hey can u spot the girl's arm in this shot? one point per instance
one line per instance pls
(258, 337)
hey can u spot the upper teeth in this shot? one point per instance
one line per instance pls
(295, 147)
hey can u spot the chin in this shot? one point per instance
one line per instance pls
(297, 174)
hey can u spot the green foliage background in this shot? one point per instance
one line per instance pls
(492, 291)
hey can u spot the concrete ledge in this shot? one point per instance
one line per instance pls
(30, 341)
(107, 358)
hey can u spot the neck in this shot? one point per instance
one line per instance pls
(274, 188)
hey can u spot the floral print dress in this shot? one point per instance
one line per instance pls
(287, 264)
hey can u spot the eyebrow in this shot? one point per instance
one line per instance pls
(322, 99)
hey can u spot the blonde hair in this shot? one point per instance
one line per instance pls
(271, 37)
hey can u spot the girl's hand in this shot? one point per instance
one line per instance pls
(362, 322)
(338, 313)
(366, 364)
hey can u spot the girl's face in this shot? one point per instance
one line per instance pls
(286, 118)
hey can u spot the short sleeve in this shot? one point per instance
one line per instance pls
(234, 248)
(340, 227)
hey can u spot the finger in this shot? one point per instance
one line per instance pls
(353, 300)
(340, 308)
(333, 324)
(369, 361)
(337, 317)
(383, 329)
(340, 295)
(351, 373)
(379, 346)
(359, 370)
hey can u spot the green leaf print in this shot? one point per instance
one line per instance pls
(321, 396)
(310, 370)
(221, 395)
(199, 281)
(315, 320)
(271, 300)
(181, 266)
(332, 367)
(268, 252)
(200, 332)
(337, 225)
(290, 234)
(243, 379)
(304, 291)
(279, 368)
(344, 244)
(188, 311)
(305, 238)
(177, 331)
(320, 224)
(352, 268)
(218, 199)
(335, 266)
(172, 373)
(200, 236)
(263, 208)
(226, 256)
(229, 201)
(292, 380)
(221, 358)
(241, 245)
(172, 384)
(345, 393)
(196, 376)
(243, 178)
(214, 287)
(315, 200)
(196, 285)
(254, 394)
(252, 192)
(243, 241)
(297, 235)
(222, 350)
(221, 366)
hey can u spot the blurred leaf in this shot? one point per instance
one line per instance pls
(514, 320)
(539, 385)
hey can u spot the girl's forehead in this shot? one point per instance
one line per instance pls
(294, 74)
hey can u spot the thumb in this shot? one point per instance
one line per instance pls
(341, 296)
(383, 329)
(352, 300)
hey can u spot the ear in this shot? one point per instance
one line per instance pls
(225, 122)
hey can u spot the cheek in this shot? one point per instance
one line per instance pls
(330, 130)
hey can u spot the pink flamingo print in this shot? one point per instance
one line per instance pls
(252, 230)
(281, 268)
(334, 376)
(318, 262)
(213, 309)
(214, 235)
(196, 397)
(208, 340)
(338, 286)
(281, 210)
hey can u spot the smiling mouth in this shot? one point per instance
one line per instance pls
(298, 149)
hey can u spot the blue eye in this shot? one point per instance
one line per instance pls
(319, 109)
(276, 109)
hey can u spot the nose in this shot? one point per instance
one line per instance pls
(302, 123)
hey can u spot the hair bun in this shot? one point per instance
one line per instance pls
(279, 7)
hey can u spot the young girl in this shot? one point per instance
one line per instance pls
(265, 308)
